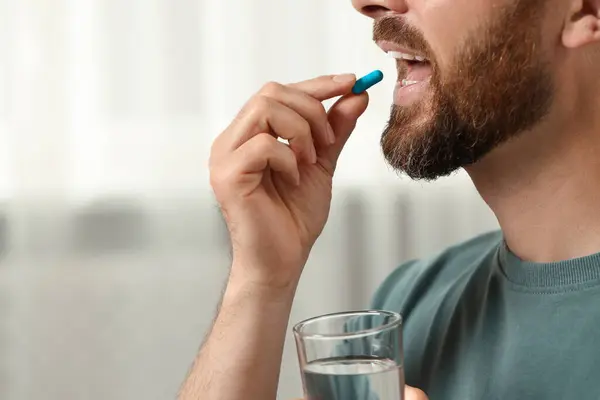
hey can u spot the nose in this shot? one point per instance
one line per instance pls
(378, 8)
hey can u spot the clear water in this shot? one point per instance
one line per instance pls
(351, 378)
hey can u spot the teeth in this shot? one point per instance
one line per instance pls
(405, 56)
(399, 55)
(406, 82)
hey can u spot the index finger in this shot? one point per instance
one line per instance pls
(326, 86)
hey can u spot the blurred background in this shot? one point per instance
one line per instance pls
(113, 254)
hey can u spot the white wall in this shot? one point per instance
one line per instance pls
(119, 88)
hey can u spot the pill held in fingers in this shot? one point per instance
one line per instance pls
(367, 81)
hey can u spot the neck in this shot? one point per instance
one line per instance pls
(544, 188)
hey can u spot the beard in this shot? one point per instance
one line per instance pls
(497, 87)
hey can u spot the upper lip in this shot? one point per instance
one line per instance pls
(388, 46)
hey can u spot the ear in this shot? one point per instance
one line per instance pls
(582, 25)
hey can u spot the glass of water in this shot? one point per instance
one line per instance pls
(353, 355)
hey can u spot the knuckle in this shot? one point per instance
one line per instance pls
(264, 143)
(261, 105)
(304, 128)
(216, 178)
(317, 107)
(220, 174)
(223, 183)
(271, 88)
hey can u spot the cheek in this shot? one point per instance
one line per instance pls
(446, 24)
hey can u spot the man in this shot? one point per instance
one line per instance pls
(508, 90)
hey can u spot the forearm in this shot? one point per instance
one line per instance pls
(241, 357)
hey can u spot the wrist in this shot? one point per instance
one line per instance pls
(244, 281)
(276, 278)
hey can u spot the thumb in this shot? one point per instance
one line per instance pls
(411, 393)
(342, 118)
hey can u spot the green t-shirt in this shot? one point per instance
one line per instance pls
(479, 323)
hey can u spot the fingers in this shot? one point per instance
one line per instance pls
(342, 117)
(261, 113)
(307, 106)
(268, 115)
(265, 151)
(326, 86)
(250, 160)
(293, 112)
(411, 393)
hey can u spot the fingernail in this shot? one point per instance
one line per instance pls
(330, 134)
(313, 155)
(343, 78)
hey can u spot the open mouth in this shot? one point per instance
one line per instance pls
(412, 68)
(414, 72)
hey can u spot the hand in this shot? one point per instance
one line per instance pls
(275, 198)
(410, 393)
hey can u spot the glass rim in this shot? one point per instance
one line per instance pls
(397, 320)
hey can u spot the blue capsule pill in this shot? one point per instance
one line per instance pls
(367, 81)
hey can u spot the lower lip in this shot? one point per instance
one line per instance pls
(407, 95)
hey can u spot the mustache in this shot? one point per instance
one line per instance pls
(397, 30)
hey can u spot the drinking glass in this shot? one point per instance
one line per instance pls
(354, 355)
